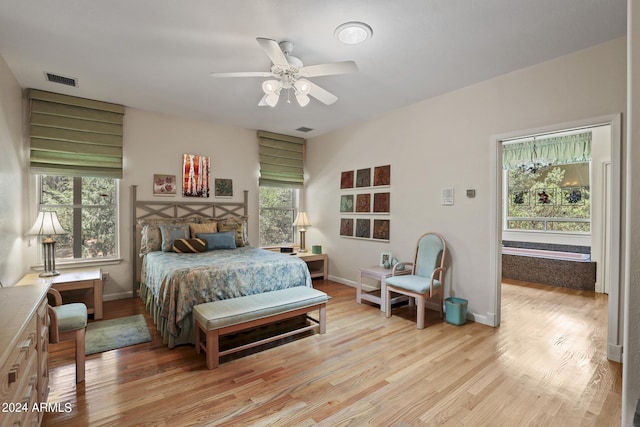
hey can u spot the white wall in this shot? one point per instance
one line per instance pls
(13, 179)
(444, 142)
(155, 143)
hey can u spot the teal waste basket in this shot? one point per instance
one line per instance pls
(456, 310)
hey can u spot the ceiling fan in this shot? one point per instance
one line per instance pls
(291, 74)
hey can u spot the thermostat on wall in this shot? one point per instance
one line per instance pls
(447, 196)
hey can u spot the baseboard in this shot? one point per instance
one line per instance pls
(113, 297)
(351, 283)
(614, 352)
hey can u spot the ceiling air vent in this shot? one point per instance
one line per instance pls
(63, 80)
(304, 129)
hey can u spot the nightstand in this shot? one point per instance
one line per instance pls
(380, 274)
(318, 264)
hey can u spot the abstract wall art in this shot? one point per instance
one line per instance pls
(195, 175)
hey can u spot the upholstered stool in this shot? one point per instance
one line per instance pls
(69, 322)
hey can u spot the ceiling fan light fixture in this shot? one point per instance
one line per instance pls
(302, 86)
(302, 99)
(270, 86)
(353, 32)
(272, 99)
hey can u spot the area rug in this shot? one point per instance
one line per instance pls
(107, 335)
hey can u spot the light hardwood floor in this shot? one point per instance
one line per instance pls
(544, 366)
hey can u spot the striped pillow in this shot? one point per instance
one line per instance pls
(189, 245)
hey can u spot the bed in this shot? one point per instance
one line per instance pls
(171, 283)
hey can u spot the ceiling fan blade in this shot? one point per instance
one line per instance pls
(243, 74)
(322, 95)
(344, 67)
(263, 101)
(273, 51)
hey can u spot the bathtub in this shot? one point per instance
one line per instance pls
(544, 253)
(549, 267)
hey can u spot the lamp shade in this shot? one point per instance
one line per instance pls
(302, 220)
(46, 224)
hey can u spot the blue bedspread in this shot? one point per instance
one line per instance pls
(177, 282)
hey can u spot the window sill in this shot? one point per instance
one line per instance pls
(80, 264)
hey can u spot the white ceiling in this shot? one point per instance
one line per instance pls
(156, 55)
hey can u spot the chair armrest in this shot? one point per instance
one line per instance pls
(438, 271)
(56, 295)
(404, 264)
(54, 335)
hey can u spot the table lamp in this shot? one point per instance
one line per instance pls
(47, 224)
(302, 221)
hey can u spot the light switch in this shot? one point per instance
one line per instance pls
(447, 196)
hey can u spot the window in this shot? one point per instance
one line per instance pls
(87, 210)
(553, 198)
(277, 212)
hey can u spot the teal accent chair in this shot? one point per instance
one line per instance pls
(68, 322)
(426, 280)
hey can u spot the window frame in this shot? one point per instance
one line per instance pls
(77, 212)
(295, 209)
(543, 219)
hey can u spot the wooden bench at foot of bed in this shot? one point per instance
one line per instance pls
(217, 318)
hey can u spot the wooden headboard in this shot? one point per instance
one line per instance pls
(144, 209)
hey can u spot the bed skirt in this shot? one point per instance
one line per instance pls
(186, 335)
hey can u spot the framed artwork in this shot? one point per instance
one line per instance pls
(382, 175)
(164, 185)
(363, 178)
(346, 227)
(346, 180)
(363, 228)
(381, 229)
(385, 259)
(381, 202)
(365, 199)
(195, 175)
(346, 203)
(363, 202)
(223, 187)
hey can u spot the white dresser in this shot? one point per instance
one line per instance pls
(24, 364)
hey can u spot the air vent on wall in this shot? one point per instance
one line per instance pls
(63, 80)
(304, 129)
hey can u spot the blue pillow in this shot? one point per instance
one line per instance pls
(224, 240)
(172, 232)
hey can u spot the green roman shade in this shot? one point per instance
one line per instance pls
(75, 136)
(281, 160)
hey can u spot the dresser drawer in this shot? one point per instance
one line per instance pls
(24, 374)
(16, 368)
(18, 410)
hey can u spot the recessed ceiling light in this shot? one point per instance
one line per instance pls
(353, 32)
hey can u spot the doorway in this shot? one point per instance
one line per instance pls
(609, 238)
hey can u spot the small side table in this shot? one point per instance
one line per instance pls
(88, 280)
(318, 264)
(381, 274)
